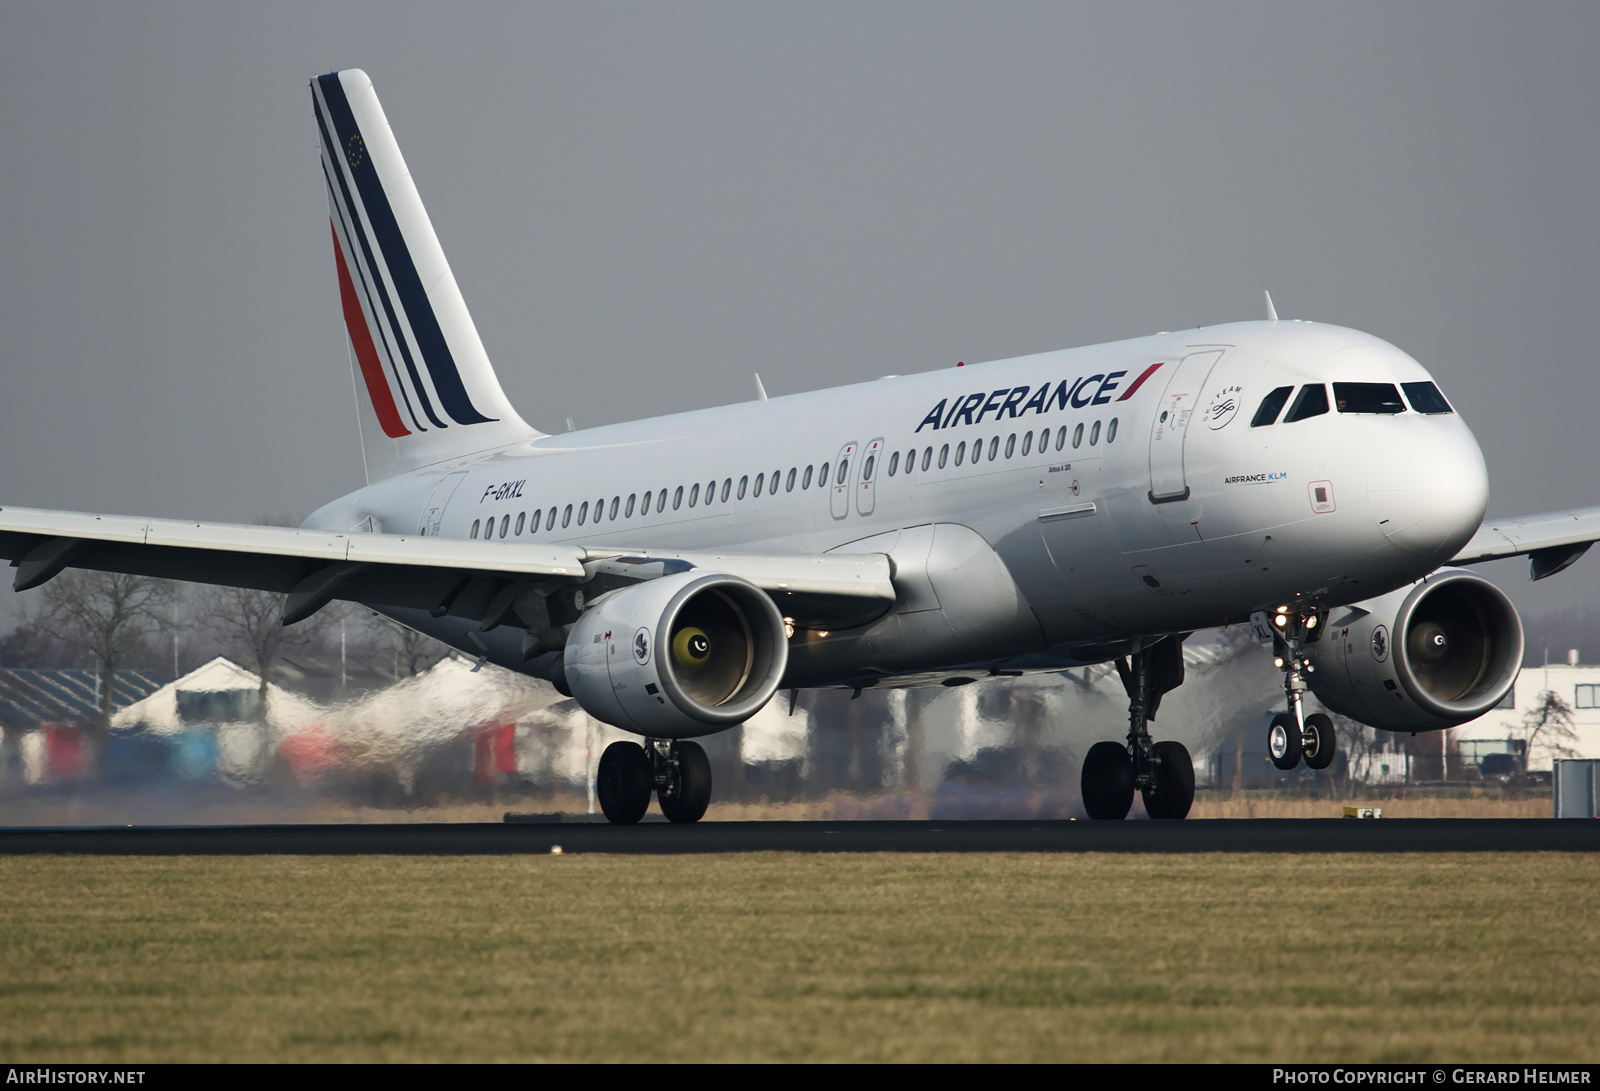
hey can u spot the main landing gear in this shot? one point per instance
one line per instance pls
(1293, 734)
(1161, 771)
(677, 772)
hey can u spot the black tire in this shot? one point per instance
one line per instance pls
(1107, 781)
(685, 799)
(1173, 792)
(1320, 753)
(623, 783)
(1283, 741)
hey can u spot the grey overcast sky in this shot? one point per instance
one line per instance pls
(645, 202)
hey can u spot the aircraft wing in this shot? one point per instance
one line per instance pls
(1552, 541)
(442, 575)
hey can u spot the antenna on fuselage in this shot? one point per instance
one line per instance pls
(1272, 312)
(761, 391)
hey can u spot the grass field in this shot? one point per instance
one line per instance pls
(801, 957)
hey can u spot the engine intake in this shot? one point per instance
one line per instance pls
(1433, 655)
(683, 655)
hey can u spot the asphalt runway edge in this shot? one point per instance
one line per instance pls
(1286, 835)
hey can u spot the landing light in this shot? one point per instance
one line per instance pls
(1280, 621)
(1277, 661)
(1311, 621)
(788, 626)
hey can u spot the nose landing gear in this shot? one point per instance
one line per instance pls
(677, 772)
(1161, 771)
(1294, 734)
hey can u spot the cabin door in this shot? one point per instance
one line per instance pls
(1167, 482)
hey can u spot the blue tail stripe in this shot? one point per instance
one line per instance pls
(358, 233)
(413, 297)
(360, 272)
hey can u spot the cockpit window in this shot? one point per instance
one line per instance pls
(1271, 406)
(1425, 398)
(1312, 401)
(1368, 398)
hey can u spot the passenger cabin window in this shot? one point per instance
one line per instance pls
(961, 451)
(944, 455)
(1111, 430)
(866, 467)
(1271, 406)
(1094, 434)
(844, 468)
(805, 483)
(1027, 443)
(475, 525)
(1312, 401)
(927, 457)
(1011, 444)
(583, 511)
(550, 520)
(822, 476)
(727, 486)
(1425, 398)
(694, 493)
(788, 483)
(894, 463)
(1061, 437)
(1367, 398)
(744, 483)
(505, 524)
(521, 517)
(631, 498)
(1077, 436)
(677, 498)
(616, 501)
(661, 501)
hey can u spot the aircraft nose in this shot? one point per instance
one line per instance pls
(1429, 488)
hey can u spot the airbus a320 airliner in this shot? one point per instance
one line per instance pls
(1076, 507)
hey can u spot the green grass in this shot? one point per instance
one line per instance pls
(798, 957)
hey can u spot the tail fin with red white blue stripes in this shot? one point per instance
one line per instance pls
(431, 394)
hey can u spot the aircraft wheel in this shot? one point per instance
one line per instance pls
(1173, 792)
(1107, 781)
(623, 783)
(686, 798)
(1321, 743)
(1283, 741)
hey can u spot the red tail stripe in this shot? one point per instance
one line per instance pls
(366, 351)
(1137, 383)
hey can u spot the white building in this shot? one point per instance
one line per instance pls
(1578, 684)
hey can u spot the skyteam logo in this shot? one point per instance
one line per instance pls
(1017, 401)
(641, 646)
(1223, 408)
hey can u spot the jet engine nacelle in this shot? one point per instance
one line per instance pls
(1433, 655)
(679, 656)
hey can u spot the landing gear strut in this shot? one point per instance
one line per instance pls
(1294, 734)
(1161, 771)
(677, 772)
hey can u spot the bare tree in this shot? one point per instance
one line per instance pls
(1548, 724)
(108, 615)
(411, 651)
(251, 622)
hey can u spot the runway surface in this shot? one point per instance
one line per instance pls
(469, 839)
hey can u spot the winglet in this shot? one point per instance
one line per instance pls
(761, 391)
(1272, 312)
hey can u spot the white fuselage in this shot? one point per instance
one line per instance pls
(1095, 515)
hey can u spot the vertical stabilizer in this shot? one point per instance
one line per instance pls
(430, 392)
